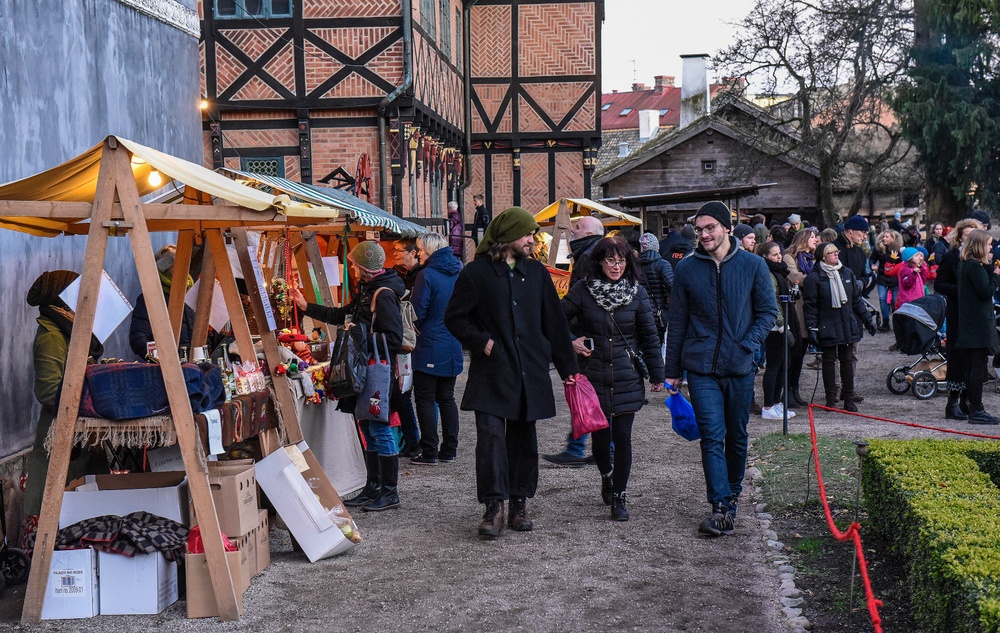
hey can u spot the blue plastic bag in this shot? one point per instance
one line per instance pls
(682, 414)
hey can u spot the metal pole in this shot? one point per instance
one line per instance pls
(861, 448)
(784, 370)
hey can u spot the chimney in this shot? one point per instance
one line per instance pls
(636, 87)
(663, 82)
(695, 100)
(649, 124)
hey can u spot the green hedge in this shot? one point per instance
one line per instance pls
(938, 504)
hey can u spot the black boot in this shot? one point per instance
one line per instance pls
(372, 486)
(952, 410)
(606, 489)
(979, 416)
(619, 509)
(963, 403)
(388, 498)
(517, 515)
(849, 402)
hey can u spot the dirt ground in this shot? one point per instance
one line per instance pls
(423, 568)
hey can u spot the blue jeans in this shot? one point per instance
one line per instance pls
(576, 447)
(722, 407)
(883, 299)
(379, 438)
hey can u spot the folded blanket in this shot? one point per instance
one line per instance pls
(130, 535)
(121, 391)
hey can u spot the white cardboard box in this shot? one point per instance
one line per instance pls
(293, 479)
(71, 590)
(146, 583)
(163, 494)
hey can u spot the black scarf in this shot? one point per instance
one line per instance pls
(780, 272)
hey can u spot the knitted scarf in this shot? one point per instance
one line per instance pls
(612, 295)
(806, 261)
(166, 282)
(838, 296)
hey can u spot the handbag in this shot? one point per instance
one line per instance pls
(373, 401)
(584, 407)
(348, 361)
(638, 360)
(682, 416)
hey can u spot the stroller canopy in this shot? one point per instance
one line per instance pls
(916, 323)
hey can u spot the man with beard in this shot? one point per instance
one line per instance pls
(506, 312)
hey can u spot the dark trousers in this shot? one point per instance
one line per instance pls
(506, 458)
(975, 375)
(774, 353)
(619, 431)
(796, 355)
(429, 390)
(844, 354)
(402, 403)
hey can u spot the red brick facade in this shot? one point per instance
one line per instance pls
(304, 91)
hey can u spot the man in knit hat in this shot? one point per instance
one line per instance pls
(659, 276)
(721, 308)
(506, 312)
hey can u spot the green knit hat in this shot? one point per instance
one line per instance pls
(512, 224)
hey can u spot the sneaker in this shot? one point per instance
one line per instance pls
(446, 460)
(565, 459)
(719, 524)
(771, 413)
(781, 411)
(734, 506)
(424, 461)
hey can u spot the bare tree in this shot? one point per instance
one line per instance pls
(832, 64)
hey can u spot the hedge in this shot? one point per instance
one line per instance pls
(937, 503)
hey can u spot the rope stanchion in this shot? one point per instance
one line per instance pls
(901, 423)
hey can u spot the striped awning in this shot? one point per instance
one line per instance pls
(362, 214)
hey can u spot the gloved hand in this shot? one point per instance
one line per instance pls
(871, 328)
(813, 337)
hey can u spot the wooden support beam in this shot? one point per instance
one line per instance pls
(224, 273)
(182, 268)
(203, 307)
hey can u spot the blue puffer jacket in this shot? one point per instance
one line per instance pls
(437, 353)
(719, 315)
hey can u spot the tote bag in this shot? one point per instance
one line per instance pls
(373, 401)
(584, 407)
(348, 361)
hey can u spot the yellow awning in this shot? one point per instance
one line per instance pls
(76, 181)
(577, 206)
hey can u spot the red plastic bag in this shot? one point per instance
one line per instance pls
(195, 545)
(584, 407)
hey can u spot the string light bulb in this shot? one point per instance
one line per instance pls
(155, 179)
(203, 104)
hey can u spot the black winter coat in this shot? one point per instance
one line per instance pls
(976, 320)
(580, 250)
(946, 284)
(519, 309)
(674, 247)
(609, 368)
(140, 331)
(388, 317)
(659, 278)
(855, 259)
(836, 326)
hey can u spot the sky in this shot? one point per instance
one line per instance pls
(655, 33)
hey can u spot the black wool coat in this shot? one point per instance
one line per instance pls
(976, 320)
(836, 326)
(519, 309)
(609, 368)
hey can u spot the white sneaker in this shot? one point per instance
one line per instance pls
(781, 411)
(771, 413)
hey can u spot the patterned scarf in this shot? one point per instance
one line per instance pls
(611, 296)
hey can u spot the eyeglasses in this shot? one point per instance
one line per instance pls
(615, 263)
(705, 229)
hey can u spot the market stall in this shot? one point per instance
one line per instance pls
(556, 219)
(98, 194)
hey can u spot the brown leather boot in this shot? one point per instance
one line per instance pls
(517, 513)
(492, 524)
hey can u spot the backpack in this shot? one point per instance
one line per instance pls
(409, 322)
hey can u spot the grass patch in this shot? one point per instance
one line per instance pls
(788, 477)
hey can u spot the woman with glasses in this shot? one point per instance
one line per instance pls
(834, 314)
(800, 258)
(616, 315)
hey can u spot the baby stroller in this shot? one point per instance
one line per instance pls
(917, 326)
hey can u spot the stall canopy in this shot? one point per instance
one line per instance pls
(362, 214)
(76, 181)
(580, 206)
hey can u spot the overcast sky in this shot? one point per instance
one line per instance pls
(655, 33)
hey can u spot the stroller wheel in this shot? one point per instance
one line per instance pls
(14, 566)
(896, 381)
(924, 385)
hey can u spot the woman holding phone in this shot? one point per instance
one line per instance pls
(617, 319)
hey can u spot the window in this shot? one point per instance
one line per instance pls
(253, 8)
(459, 51)
(446, 28)
(622, 150)
(664, 111)
(708, 165)
(428, 20)
(606, 106)
(625, 112)
(268, 166)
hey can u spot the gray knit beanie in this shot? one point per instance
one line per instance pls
(368, 256)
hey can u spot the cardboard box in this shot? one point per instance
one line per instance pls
(263, 534)
(234, 489)
(165, 459)
(303, 497)
(248, 548)
(146, 583)
(71, 590)
(200, 596)
(163, 494)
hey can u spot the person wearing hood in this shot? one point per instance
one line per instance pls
(721, 309)
(367, 260)
(437, 358)
(506, 312)
(678, 243)
(659, 280)
(140, 331)
(49, 353)
(584, 234)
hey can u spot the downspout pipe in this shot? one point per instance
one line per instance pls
(383, 106)
(467, 57)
